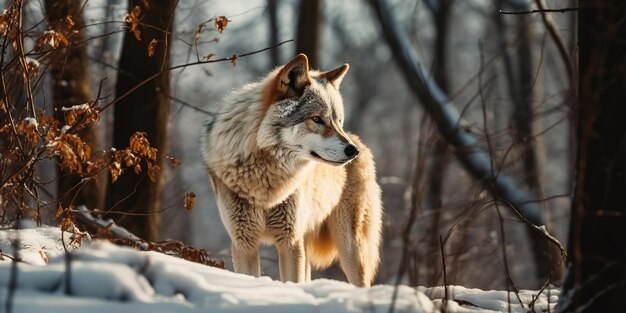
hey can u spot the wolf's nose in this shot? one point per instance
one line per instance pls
(351, 151)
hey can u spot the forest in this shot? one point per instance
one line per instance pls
(495, 126)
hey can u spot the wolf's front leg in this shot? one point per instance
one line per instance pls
(246, 260)
(292, 261)
(243, 223)
(283, 226)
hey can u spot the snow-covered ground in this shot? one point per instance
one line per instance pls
(108, 278)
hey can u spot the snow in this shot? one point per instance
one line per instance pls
(32, 62)
(83, 106)
(108, 278)
(37, 245)
(31, 121)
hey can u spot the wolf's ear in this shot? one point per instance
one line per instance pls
(293, 77)
(336, 76)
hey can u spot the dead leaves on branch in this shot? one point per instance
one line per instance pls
(73, 152)
(220, 23)
(58, 35)
(133, 19)
(80, 116)
(132, 157)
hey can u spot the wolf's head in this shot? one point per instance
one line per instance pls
(304, 112)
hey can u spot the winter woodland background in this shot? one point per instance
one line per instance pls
(506, 74)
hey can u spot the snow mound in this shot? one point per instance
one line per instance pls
(36, 244)
(103, 277)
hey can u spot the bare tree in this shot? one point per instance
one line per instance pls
(70, 81)
(595, 281)
(143, 109)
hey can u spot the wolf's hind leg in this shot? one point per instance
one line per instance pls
(356, 222)
(353, 254)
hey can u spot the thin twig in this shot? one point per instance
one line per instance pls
(22, 58)
(563, 10)
(231, 59)
(539, 229)
(560, 43)
(445, 276)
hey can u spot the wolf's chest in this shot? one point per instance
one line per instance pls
(263, 184)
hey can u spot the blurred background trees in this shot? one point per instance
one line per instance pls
(504, 74)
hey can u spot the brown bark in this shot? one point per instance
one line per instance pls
(307, 40)
(70, 80)
(595, 282)
(144, 109)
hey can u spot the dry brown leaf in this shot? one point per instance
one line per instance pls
(105, 232)
(132, 19)
(199, 30)
(116, 170)
(220, 23)
(153, 172)
(174, 161)
(233, 60)
(152, 46)
(67, 224)
(69, 21)
(4, 23)
(59, 211)
(190, 201)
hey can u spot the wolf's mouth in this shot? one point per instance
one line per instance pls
(317, 156)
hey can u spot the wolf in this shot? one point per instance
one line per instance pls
(284, 172)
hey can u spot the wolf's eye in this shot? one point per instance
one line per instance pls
(317, 120)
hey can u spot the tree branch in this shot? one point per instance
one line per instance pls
(445, 115)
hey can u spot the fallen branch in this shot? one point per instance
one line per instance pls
(121, 236)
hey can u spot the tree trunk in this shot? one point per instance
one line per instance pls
(272, 12)
(144, 109)
(596, 279)
(440, 152)
(307, 40)
(70, 81)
